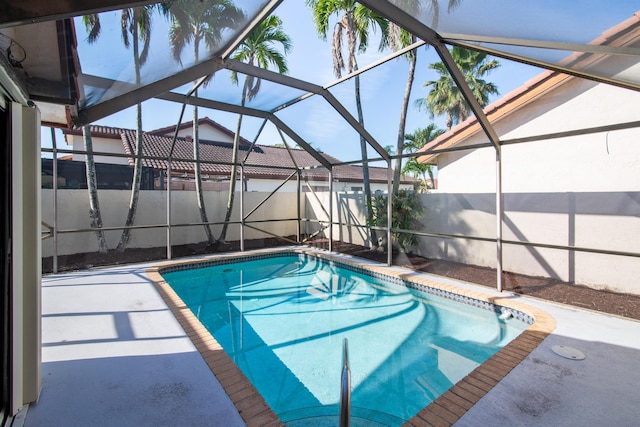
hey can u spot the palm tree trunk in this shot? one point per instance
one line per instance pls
(232, 182)
(365, 165)
(403, 120)
(135, 185)
(198, 178)
(137, 168)
(431, 177)
(94, 205)
(196, 156)
(449, 121)
(234, 168)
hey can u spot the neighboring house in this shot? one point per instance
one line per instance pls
(562, 185)
(72, 175)
(216, 148)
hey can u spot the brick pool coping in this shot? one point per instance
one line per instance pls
(445, 410)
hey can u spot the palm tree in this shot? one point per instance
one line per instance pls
(415, 141)
(400, 39)
(92, 186)
(196, 22)
(135, 28)
(445, 98)
(355, 22)
(258, 49)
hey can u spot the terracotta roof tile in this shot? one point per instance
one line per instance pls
(158, 147)
(212, 153)
(97, 130)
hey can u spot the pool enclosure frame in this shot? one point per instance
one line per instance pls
(162, 89)
(22, 275)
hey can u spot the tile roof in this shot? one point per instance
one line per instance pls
(264, 161)
(98, 131)
(205, 121)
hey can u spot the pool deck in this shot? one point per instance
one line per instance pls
(115, 354)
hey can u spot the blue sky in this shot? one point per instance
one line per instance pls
(310, 59)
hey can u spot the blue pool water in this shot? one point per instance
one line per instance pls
(283, 320)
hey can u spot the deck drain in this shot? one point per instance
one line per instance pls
(568, 352)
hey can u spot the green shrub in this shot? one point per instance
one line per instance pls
(406, 215)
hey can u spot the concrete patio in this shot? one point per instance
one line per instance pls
(114, 355)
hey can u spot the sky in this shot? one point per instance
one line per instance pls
(313, 119)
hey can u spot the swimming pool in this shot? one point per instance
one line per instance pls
(281, 317)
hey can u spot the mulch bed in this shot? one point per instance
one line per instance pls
(626, 305)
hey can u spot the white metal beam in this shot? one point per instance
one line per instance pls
(566, 69)
(138, 95)
(301, 142)
(285, 80)
(542, 44)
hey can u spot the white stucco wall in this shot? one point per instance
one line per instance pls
(270, 185)
(581, 191)
(100, 145)
(204, 132)
(73, 213)
(348, 210)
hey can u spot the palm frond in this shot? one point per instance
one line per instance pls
(125, 19)
(195, 21)
(259, 49)
(92, 25)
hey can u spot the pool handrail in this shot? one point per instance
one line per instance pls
(345, 387)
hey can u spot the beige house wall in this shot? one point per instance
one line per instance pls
(100, 145)
(204, 133)
(581, 191)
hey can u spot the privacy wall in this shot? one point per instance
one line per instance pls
(73, 214)
(601, 220)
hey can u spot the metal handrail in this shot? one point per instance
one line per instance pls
(345, 388)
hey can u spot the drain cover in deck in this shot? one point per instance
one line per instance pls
(568, 352)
